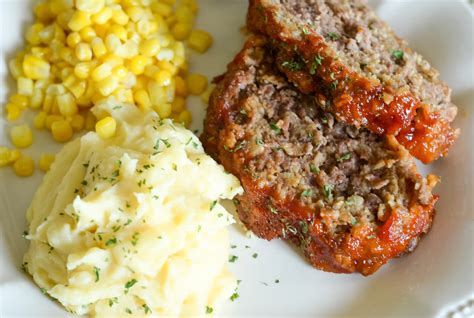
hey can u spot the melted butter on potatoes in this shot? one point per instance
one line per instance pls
(132, 224)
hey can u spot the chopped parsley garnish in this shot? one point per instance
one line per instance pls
(130, 283)
(304, 227)
(232, 258)
(96, 273)
(111, 241)
(333, 36)
(344, 157)
(328, 191)
(234, 296)
(209, 310)
(116, 107)
(128, 311)
(277, 281)
(275, 128)
(334, 84)
(113, 301)
(272, 209)
(353, 221)
(313, 168)
(292, 65)
(233, 246)
(398, 54)
(254, 255)
(213, 205)
(307, 193)
(259, 141)
(318, 60)
(164, 141)
(146, 309)
(135, 238)
(306, 31)
(84, 182)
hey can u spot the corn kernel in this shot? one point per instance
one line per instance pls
(13, 111)
(79, 20)
(163, 77)
(32, 34)
(119, 31)
(83, 52)
(4, 156)
(107, 85)
(180, 86)
(184, 14)
(181, 31)
(73, 39)
(82, 70)
(112, 42)
(162, 9)
(42, 12)
(15, 154)
(77, 122)
(16, 68)
(185, 118)
(98, 47)
(106, 127)
(40, 120)
(87, 34)
(120, 72)
(45, 162)
(48, 103)
(35, 67)
(112, 59)
(78, 88)
(66, 104)
(178, 105)
(191, 4)
(21, 136)
(163, 110)
(102, 16)
(196, 83)
(119, 17)
(90, 6)
(24, 166)
(142, 99)
(137, 64)
(101, 72)
(19, 100)
(25, 86)
(90, 121)
(135, 13)
(67, 54)
(150, 47)
(36, 98)
(200, 40)
(51, 119)
(61, 130)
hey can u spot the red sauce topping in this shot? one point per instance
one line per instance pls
(361, 102)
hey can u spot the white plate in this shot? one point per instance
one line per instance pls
(434, 281)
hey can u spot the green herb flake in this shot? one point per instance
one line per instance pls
(135, 238)
(307, 193)
(304, 227)
(128, 311)
(334, 84)
(84, 182)
(318, 60)
(275, 128)
(116, 107)
(213, 205)
(259, 141)
(96, 273)
(232, 258)
(209, 310)
(333, 36)
(398, 54)
(130, 283)
(234, 296)
(328, 190)
(272, 209)
(306, 31)
(344, 157)
(146, 309)
(111, 241)
(255, 255)
(113, 301)
(233, 246)
(277, 281)
(292, 65)
(313, 168)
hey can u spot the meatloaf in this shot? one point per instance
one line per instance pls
(370, 77)
(348, 198)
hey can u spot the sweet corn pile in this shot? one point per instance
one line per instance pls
(82, 51)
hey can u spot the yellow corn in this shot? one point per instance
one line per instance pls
(87, 34)
(77, 122)
(4, 156)
(106, 127)
(20, 100)
(13, 111)
(25, 86)
(108, 85)
(66, 104)
(119, 17)
(79, 20)
(90, 121)
(196, 84)
(163, 77)
(163, 9)
(51, 119)
(15, 154)
(180, 86)
(102, 16)
(73, 39)
(83, 52)
(45, 161)
(142, 99)
(61, 130)
(119, 71)
(98, 47)
(150, 47)
(119, 31)
(178, 105)
(184, 15)
(24, 166)
(181, 31)
(40, 120)
(90, 6)
(200, 40)
(21, 136)
(16, 68)
(163, 110)
(35, 67)
(135, 13)
(137, 64)
(101, 72)
(185, 118)
(36, 98)
(32, 34)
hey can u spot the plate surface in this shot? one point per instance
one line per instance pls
(432, 281)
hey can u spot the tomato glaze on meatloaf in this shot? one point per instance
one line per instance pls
(371, 78)
(350, 199)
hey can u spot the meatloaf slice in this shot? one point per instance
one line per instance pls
(350, 199)
(371, 78)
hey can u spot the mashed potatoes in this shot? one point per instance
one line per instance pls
(133, 224)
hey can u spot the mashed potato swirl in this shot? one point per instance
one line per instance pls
(133, 224)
